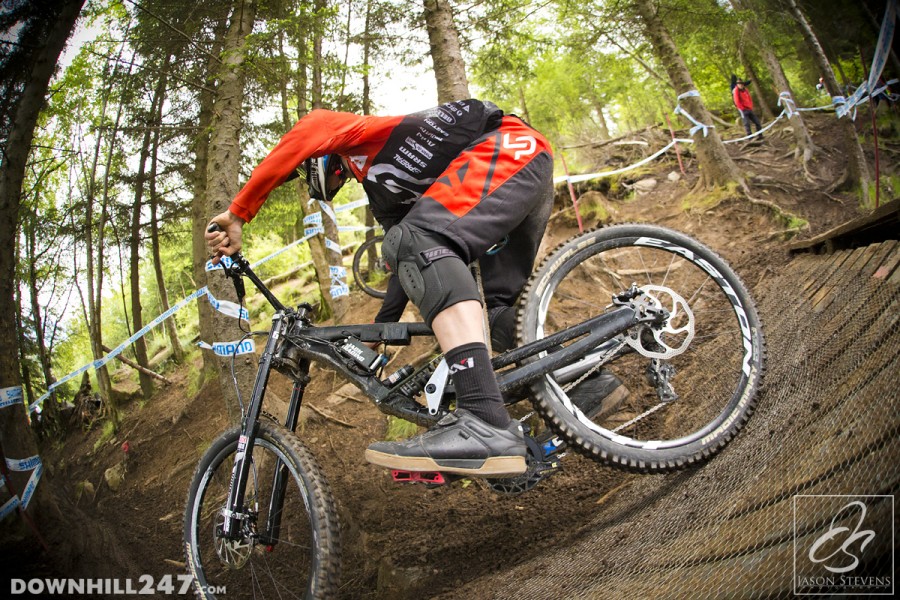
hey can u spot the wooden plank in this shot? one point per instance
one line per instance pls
(882, 216)
(828, 283)
(825, 265)
(850, 270)
(884, 264)
(844, 258)
(862, 271)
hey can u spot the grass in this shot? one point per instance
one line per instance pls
(398, 429)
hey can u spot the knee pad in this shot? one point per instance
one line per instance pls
(432, 274)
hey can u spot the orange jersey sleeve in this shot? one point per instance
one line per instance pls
(318, 133)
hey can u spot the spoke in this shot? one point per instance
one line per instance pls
(668, 269)
(694, 295)
(580, 301)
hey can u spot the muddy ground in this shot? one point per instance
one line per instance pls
(409, 540)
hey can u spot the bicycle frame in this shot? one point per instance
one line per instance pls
(295, 327)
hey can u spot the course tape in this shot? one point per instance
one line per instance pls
(867, 88)
(697, 124)
(120, 348)
(23, 465)
(225, 260)
(11, 396)
(226, 307)
(230, 348)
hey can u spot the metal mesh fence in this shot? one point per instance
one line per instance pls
(801, 502)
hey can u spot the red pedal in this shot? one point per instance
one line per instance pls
(429, 477)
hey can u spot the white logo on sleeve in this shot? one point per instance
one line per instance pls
(524, 145)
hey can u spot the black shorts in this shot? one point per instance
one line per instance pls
(500, 187)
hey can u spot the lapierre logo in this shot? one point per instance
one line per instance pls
(523, 144)
(843, 545)
(146, 585)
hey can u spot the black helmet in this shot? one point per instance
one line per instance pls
(317, 172)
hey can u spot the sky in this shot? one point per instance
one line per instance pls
(397, 89)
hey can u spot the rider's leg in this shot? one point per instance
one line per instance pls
(487, 191)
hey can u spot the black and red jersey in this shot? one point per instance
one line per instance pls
(396, 158)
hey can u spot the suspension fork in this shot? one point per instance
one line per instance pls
(272, 530)
(234, 508)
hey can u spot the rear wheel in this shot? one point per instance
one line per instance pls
(369, 269)
(287, 547)
(692, 381)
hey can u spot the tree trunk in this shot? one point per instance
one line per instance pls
(317, 248)
(223, 171)
(199, 220)
(446, 56)
(805, 146)
(50, 407)
(854, 157)
(96, 271)
(524, 104)
(717, 168)
(367, 51)
(140, 344)
(169, 324)
(51, 30)
(325, 255)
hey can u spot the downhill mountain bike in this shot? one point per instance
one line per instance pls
(659, 309)
(369, 269)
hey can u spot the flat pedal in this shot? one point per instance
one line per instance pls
(429, 478)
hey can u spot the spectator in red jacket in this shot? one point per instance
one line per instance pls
(744, 104)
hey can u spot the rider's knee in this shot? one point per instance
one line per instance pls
(431, 272)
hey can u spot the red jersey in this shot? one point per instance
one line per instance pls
(742, 99)
(395, 158)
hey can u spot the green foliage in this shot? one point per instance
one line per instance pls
(398, 429)
(107, 433)
(578, 72)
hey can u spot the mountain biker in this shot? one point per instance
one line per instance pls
(744, 104)
(446, 184)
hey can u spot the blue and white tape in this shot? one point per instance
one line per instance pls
(226, 307)
(223, 261)
(313, 219)
(230, 348)
(843, 106)
(785, 100)
(23, 465)
(11, 396)
(328, 211)
(120, 348)
(697, 124)
(352, 205)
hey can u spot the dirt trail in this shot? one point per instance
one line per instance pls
(425, 542)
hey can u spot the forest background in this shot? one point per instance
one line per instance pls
(119, 146)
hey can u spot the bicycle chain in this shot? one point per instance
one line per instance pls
(593, 369)
(639, 417)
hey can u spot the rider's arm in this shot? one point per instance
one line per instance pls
(316, 134)
(394, 303)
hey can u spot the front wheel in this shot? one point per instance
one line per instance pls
(692, 380)
(288, 540)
